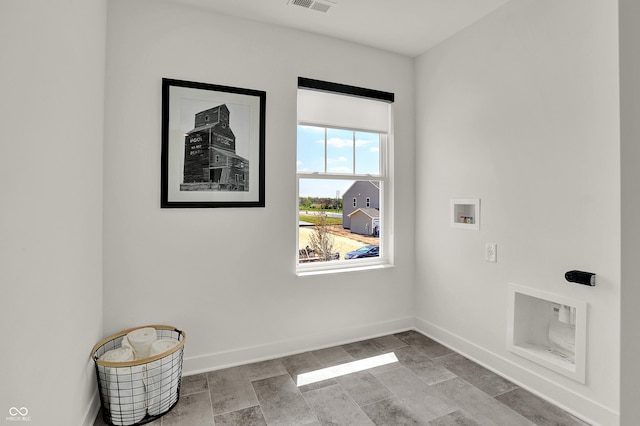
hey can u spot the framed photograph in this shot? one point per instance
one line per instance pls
(212, 145)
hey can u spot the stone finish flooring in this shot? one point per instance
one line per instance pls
(428, 385)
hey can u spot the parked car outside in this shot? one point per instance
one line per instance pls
(364, 251)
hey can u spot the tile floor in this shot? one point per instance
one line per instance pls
(427, 385)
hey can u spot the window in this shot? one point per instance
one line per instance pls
(342, 151)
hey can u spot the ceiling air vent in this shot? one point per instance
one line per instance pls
(320, 6)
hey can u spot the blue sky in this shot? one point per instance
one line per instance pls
(339, 158)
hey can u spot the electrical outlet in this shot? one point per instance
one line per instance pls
(491, 252)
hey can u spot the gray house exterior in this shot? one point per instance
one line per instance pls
(362, 194)
(365, 221)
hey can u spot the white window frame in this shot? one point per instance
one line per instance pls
(384, 259)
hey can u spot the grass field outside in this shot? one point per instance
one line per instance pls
(315, 219)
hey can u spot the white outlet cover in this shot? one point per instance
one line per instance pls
(491, 252)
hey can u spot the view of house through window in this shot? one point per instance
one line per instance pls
(340, 191)
(342, 175)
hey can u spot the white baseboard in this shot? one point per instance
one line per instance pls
(92, 410)
(277, 349)
(590, 411)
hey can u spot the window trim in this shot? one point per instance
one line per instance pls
(385, 259)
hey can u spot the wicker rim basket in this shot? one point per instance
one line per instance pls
(123, 333)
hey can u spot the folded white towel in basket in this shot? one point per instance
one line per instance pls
(125, 344)
(162, 377)
(162, 345)
(141, 340)
(122, 354)
(124, 388)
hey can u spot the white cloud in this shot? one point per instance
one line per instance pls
(300, 167)
(340, 143)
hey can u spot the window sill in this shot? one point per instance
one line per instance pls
(334, 269)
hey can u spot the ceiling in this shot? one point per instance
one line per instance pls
(408, 27)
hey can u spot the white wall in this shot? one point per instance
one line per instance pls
(521, 110)
(226, 276)
(630, 158)
(51, 120)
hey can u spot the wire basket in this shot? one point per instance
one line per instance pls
(140, 391)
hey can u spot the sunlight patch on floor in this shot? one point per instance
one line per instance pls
(344, 369)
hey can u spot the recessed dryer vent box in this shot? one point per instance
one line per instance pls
(465, 213)
(548, 329)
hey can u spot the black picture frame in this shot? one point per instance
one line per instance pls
(213, 146)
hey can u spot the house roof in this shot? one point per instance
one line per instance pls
(372, 213)
(375, 184)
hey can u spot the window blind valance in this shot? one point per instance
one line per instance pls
(342, 106)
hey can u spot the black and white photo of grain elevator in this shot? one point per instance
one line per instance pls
(210, 159)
